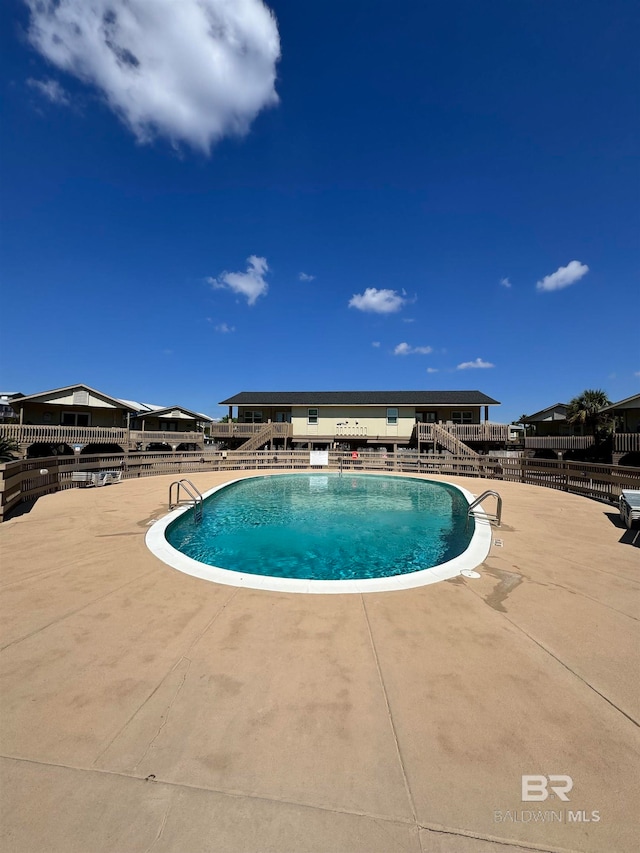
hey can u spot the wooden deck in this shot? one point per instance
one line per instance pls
(27, 434)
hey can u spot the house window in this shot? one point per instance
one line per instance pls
(462, 417)
(80, 419)
(312, 416)
(426, 417)
(392, 417)
(252, 417)
(46, 417)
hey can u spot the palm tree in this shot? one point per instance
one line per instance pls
(586, 410)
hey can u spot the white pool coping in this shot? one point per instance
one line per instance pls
(475, 554)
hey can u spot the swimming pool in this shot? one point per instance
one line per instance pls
(317, 532)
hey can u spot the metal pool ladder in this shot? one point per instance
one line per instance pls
(496, 517)
(194, 498)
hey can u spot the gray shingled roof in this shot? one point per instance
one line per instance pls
(359, 398)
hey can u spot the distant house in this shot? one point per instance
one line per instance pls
(82, 419)
(549, 421)
(626, 413)
(550, 433)
(626, 439)
(457, 421)
(6, 410)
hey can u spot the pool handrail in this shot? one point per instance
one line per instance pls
(194, 497)
(497, 516)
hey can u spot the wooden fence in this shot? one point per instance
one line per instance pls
(29, 479)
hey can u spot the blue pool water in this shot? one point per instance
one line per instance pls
(327, 527)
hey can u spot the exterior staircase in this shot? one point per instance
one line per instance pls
(269, 430)
(451, 442)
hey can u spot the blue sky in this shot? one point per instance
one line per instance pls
(205, 198)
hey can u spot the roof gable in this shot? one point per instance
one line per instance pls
(178, 412)
(632, 402)
(76, 395)
(548, 414)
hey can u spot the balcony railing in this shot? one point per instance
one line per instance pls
(27, 434)
(231, 430)
(467, 432)
(626, 442)
(166, 436)
(558, 442)
(345, 430)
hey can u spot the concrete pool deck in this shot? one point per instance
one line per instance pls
(143, 709)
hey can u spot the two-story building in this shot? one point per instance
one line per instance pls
(456, 421)
(81, 419)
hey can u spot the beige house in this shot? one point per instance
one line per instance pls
(81, 419)
(362, 419)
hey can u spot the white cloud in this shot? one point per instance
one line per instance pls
(505, 282)
(477, 363)
(224, 329)
(563, 276)
(406, 349)
(191, 71)
(378, 301)
(250, 283)
(305, 277)
(432, 369)
(51, 90)
(375, 343)
(637, 373)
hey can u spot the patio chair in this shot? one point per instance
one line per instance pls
(629, 505)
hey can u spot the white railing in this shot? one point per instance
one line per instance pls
(344, 430)
(626, 442)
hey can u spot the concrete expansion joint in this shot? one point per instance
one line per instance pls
(198, 637)
(241, 795)
(234, 794)
(389, 714)
(77, 610)
(566, 666)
